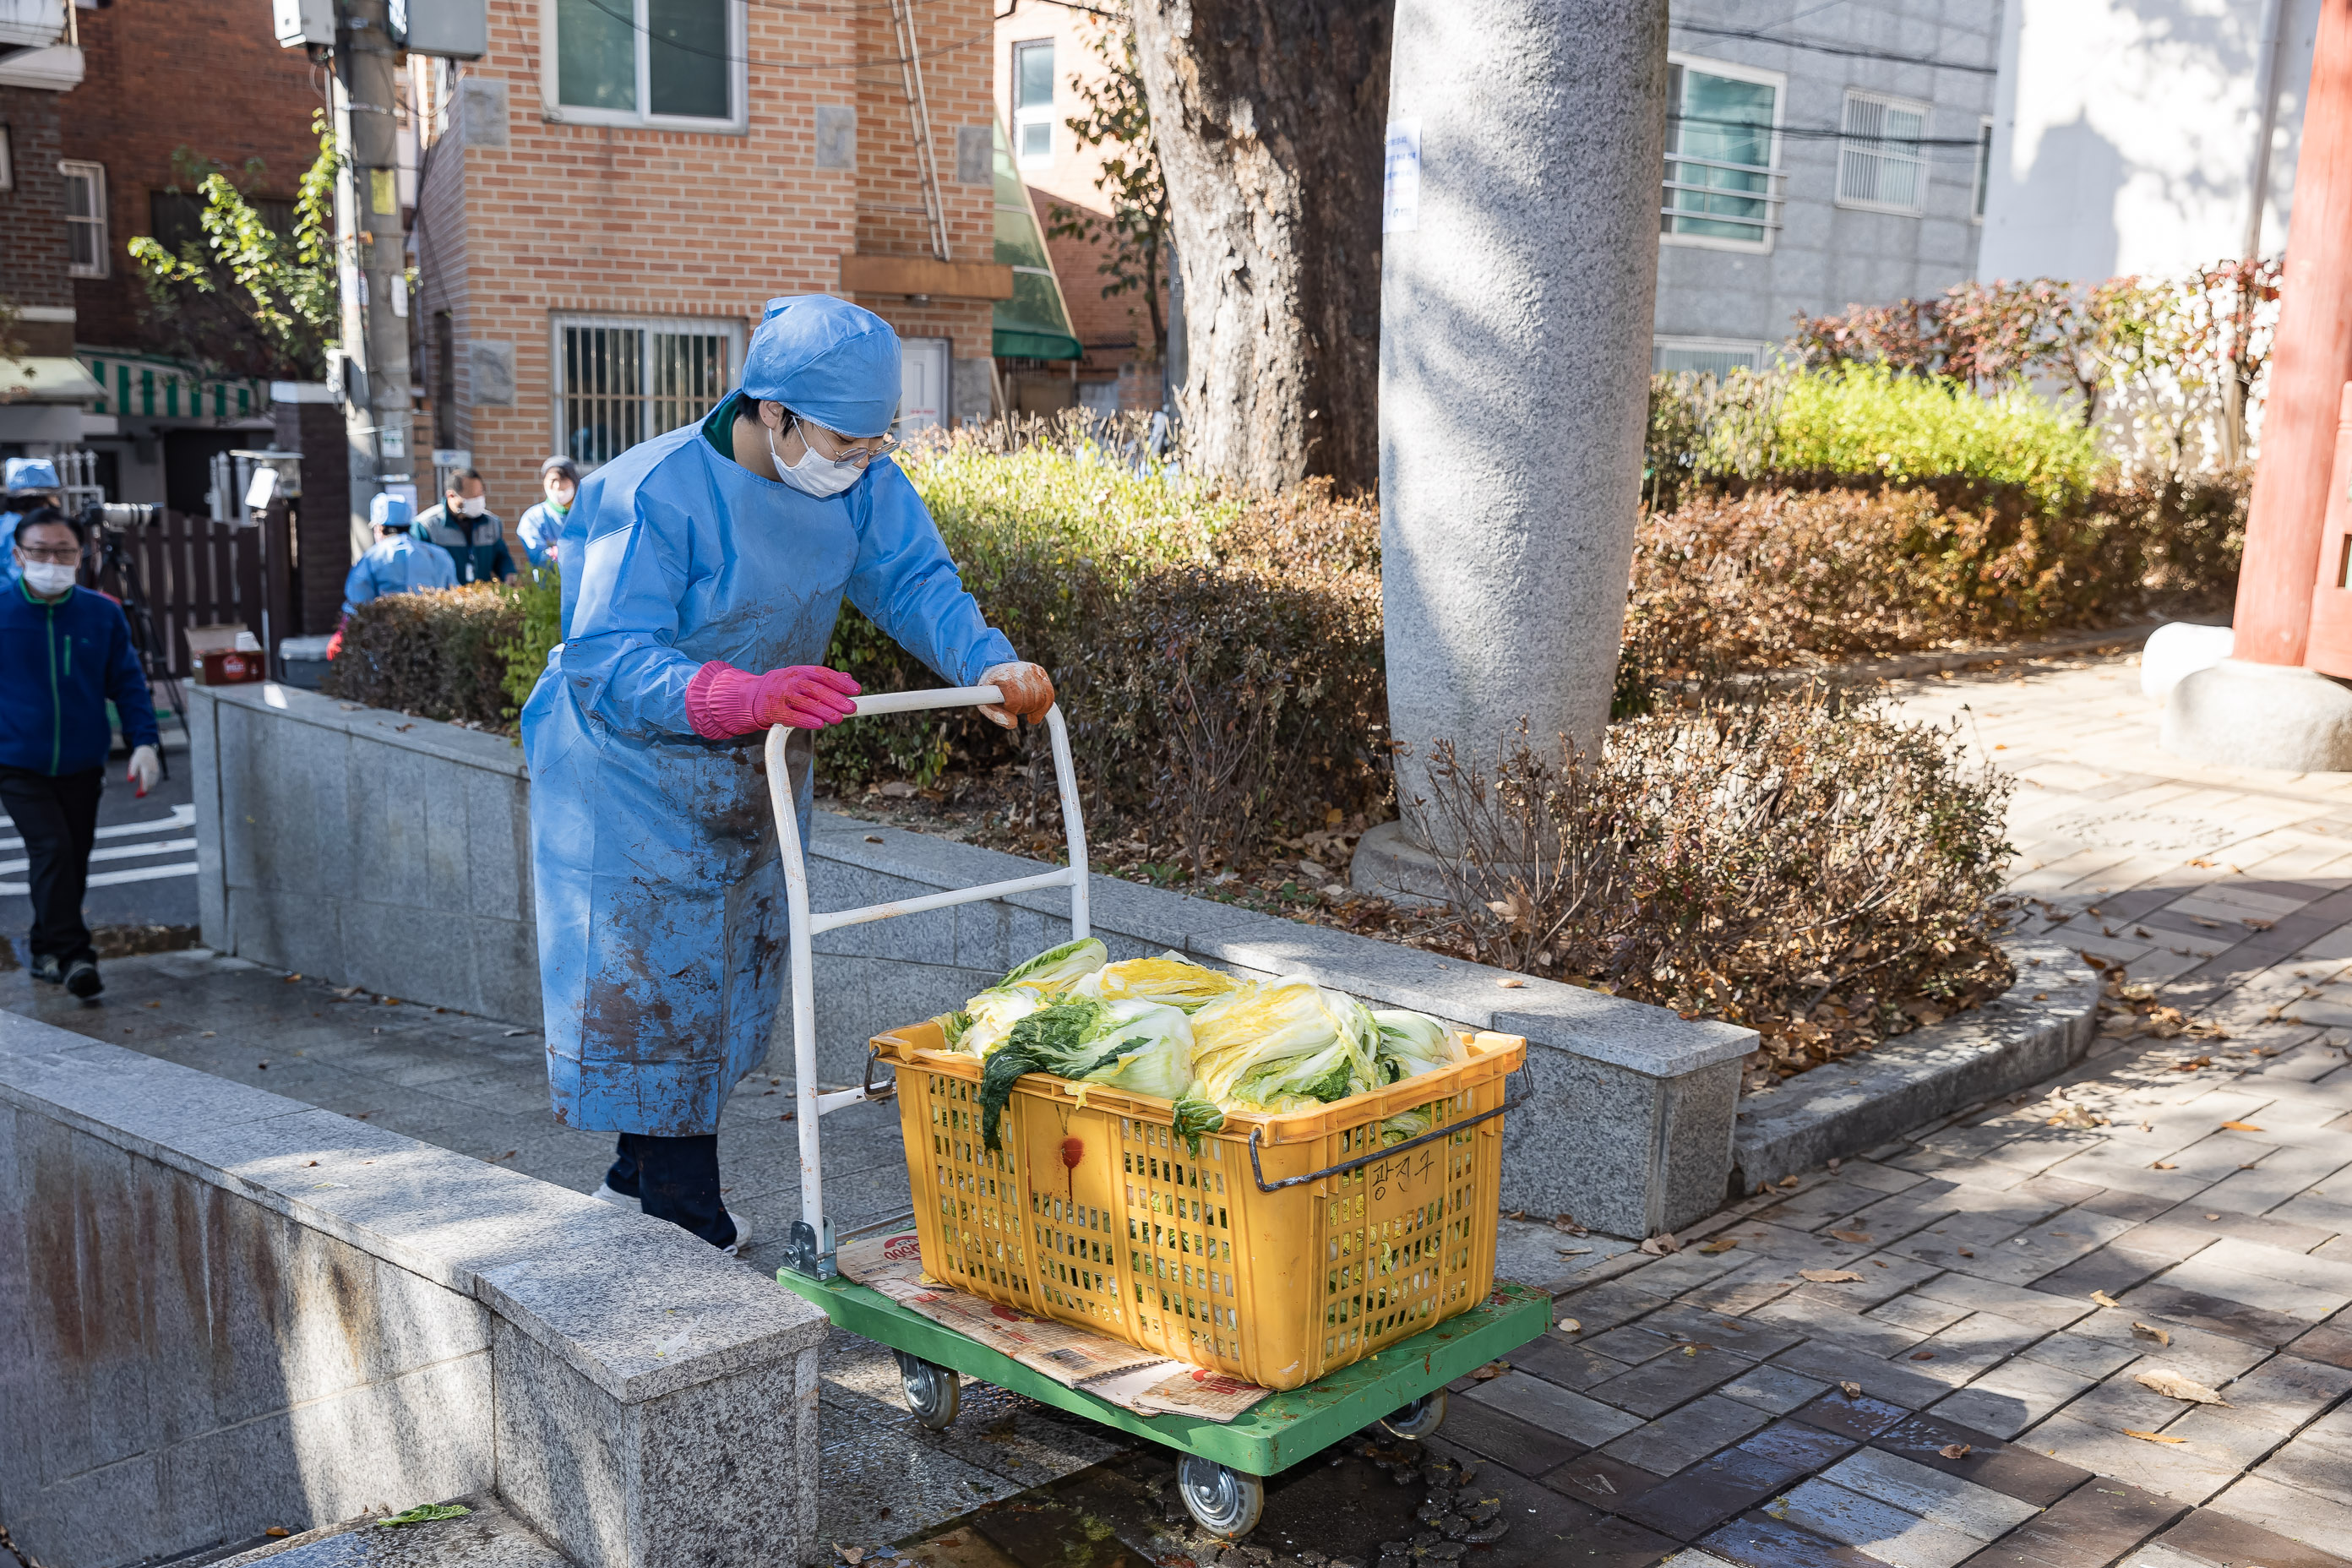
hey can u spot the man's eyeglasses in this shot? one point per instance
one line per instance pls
(65, 555)
(837, 448)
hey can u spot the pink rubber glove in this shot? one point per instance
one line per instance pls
(722, 701)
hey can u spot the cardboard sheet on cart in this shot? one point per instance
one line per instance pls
(1138, 1379)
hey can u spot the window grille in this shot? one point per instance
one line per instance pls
(1881, 165)
(619, 381)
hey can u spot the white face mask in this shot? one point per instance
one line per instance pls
(47, 579)
(813, 475)
(473, 506)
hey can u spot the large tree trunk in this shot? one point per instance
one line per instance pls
(1268, 116)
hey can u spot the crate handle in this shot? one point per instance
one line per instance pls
(883, 1090)
(1257, 1171)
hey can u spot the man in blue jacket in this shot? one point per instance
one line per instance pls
(65, 653)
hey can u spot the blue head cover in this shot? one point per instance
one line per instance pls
(389, 510)
(827, 359)
(40, 474)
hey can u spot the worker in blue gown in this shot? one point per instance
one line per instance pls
(704, 571)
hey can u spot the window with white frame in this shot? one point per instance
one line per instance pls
(620, 381)
(1984, 170)
(1032, 102)
(86, 249)
(1881, 166)
(1722, 144)
(645, 62)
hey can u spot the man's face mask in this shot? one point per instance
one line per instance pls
(470, 506)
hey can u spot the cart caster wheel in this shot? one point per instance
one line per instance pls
(934, 1392)
(1221, 1501)
(1418, 1419)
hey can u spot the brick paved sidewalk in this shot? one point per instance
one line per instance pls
(1959, 1379)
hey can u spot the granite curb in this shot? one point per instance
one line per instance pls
(2042, 1026)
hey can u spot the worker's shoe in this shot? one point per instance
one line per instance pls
(742, 1233)
(604, 1194)
(81, 979)
(49, 971)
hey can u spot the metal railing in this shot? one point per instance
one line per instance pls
(1709, 200)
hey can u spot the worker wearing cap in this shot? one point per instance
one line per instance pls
(32, 484)
(706, 569)
(463, 525)
(559, 482)
(398, 562)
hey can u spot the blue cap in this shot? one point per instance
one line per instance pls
(827, 359)
(40, 474)
(389, 510)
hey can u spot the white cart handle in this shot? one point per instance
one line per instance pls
(810, 1249)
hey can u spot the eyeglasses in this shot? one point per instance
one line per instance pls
(843, 449)
(63, 555)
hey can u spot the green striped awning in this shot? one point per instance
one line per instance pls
(1035, 324)
(149, 386)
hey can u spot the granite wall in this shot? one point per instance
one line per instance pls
(222, 1311)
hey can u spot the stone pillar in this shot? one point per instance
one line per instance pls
(2259, 707)
(1518, 267)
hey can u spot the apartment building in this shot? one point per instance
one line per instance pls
(2144, 136)
(606, 200)
(1818, 156)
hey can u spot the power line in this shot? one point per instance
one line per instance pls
(1824, 46)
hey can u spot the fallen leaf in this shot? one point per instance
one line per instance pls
(1493, 1369)
(2212, 1216)
(1721, 1244)
(1829, 1276)
(1859, 1237)
(1660, 1245)
(1787, 1181)
(1510, 983)
(1923, 1355)
(1964, 1252)
(2163, 1166)
(2240, 1127)
(1569, 1326)
(1851, 1390)
(1955, 1451)
(1571, 1251)
(425, 1513)
(2173, 1385)
(2104, 1299)
(851, 1555)
(2150, 1331)
(1691, 1351)
(2253, 924)
(1876, 1263)
(2149, 1437)
(276, 1532)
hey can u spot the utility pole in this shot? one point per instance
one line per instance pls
(371, 243)
(1515, 367)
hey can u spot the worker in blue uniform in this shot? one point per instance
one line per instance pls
(558, 483)
(398, 562)
(32, 483)
(706, 580)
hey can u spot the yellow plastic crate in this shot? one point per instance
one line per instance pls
(1094, 1211)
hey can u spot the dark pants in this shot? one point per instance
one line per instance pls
(59, 819)
(676, 1179)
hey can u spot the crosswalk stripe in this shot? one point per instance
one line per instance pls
(115, 879)
(118, 852)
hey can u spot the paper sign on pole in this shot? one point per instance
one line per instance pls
(1401, 178)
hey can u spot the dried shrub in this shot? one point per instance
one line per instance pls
(1772, 577)
(1825, 876)
(440, 654)
(1218, 655)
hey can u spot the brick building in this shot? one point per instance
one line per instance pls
(42, 390)
(235, 101)
(1040, 48)
(603, 210)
